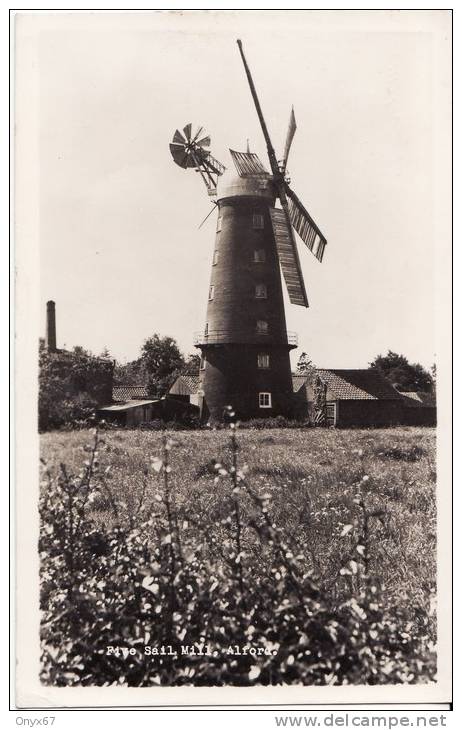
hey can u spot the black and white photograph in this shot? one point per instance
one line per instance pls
(233, 333)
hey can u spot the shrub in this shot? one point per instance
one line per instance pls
(71, 385)
(154, 573)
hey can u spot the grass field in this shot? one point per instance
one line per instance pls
(312, 477)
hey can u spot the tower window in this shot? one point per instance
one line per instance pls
(215, 258)
(263, 360)
(211, 293)
(219, 220)
(203, 361)
(260, 291)
(264, 400)
(262, 327)
(257, 221)
(206, 331)
(259, 256)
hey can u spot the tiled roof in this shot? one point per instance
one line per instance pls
(420, 398)
(358, 385)
(365, 384)
(185, 385)
(129, 392)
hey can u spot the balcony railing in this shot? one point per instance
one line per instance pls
(219, 337)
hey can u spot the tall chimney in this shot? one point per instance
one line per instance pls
(51, 327)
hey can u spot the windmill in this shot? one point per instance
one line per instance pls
(245, 344)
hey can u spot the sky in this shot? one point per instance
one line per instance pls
(120, 248)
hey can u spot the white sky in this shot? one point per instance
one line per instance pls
(120, 249)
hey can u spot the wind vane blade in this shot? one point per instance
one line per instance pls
(289, 138)
(288, 257)
(178, 138)
(269, 146)
(204, 142)
(305, 225)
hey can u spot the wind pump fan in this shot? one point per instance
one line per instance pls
(190, 150)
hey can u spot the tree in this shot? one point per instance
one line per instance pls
(71, 386)
(161, 361)
(105, 354)
(131, 373)
(405, 376)
(304, 365)
(158, 366)
(191, 365)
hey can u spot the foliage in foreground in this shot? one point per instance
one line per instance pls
(157, 573)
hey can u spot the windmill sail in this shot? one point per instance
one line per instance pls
(305, 225)
(288, 258)
(289, 138)
(248, 163)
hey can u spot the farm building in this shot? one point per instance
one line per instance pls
(130, 412)
(343, 398)
(132, 405)
(186, 389)
(420, 408)
(364, 397)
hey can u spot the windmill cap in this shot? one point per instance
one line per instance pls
(231, 185)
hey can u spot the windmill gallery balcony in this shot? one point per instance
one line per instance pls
(222, 337)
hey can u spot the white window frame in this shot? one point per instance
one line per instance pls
(264, 400)
(219, 222)
(261, 291)
(259, 256)
(263, 360)
(211, 292)
(258, 221)
(262, 327)
(215, 257)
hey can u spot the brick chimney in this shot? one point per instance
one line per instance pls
(51, 327)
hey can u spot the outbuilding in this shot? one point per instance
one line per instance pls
(361, 397)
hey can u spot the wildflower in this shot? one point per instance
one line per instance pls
(254, 672)
(149, 584)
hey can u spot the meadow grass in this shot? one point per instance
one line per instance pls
(312, 477)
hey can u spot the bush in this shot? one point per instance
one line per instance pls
(71, 386)
(152, 573)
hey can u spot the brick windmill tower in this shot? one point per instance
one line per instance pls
(245, 344)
